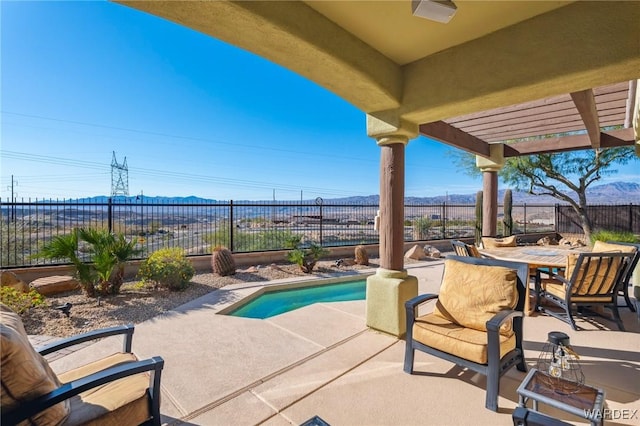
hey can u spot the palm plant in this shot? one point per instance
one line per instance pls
(103, 272)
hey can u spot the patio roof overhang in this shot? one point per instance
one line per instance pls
(497, 71)
(540, 62)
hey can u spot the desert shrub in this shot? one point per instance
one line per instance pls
(167, 268)
(621, 236)
(306, 258)
(19, 301)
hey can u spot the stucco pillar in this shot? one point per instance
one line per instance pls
(391, 286)
(490, 167)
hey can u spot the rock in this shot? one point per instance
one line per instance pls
(432, 252)
(54, 284)
(416, 252)
(251, 269)
(9, 279)
(547, 241)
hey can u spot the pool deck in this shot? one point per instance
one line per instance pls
(323, 360)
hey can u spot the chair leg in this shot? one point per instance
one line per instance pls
(538, 289)
(616, 316)
(570, 319)
(409, 353)
(493, 388)
(627, 300)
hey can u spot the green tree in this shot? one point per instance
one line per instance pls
(564, 176)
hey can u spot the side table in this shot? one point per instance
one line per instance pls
(587, 402)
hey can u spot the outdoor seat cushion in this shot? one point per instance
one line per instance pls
(604, 276)
(470, 295)
(602, 247)
(473, 250)
(25, 373)
(490, 243)
(124, 401)
(434, 331)
(559, 290)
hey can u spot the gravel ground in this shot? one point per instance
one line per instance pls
(137, 303)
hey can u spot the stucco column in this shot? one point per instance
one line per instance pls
(490, 167)
(391, 286)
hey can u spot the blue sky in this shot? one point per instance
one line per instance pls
(192, 115)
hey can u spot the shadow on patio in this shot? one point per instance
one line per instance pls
(322, 360)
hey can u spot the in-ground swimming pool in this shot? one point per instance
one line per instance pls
(279, 301)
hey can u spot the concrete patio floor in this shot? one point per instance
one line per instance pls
(323, 360)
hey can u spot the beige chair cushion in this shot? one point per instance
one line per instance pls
(470, 295)
(116, 403)
(559, 290)
(25, 373)
(490, 243)
(592, 273)
(602, 247)
(473, 250)
(437, 332)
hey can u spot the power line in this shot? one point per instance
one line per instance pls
(177, 175)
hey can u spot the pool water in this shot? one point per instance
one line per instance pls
(280, 301)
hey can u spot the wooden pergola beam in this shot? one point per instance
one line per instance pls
(611, 139)
(585, 102)
(446, 133)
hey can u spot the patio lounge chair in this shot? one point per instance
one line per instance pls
(590, 279)
(118, 389)
(477, 321)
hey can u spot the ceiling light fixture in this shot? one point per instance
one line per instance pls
(435, 10)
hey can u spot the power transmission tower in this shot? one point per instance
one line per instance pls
(119, 177)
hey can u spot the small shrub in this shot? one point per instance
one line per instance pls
(306, 258)
(19, 301)
(167, 268)
(604, 235)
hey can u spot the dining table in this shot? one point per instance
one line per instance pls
(536, 257)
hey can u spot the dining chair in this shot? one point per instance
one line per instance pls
(463, 249)
(590, 279)
(623, 290)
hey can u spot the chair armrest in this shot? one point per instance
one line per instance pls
(418, 300)
(127, 330)
(68, 390)
(411, 305)
(498, 319)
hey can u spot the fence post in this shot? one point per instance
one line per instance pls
(525, 219)
(110, 215)
(631, 217)
(443, 215)
(321, 218)
(231, 226)
(557, 214)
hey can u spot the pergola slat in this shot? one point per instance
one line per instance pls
(586, 103)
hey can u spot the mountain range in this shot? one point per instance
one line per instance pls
(610, 193)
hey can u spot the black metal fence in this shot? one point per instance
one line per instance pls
(26, 226)
(622, 218)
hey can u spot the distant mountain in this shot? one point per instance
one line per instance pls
(610, 193)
